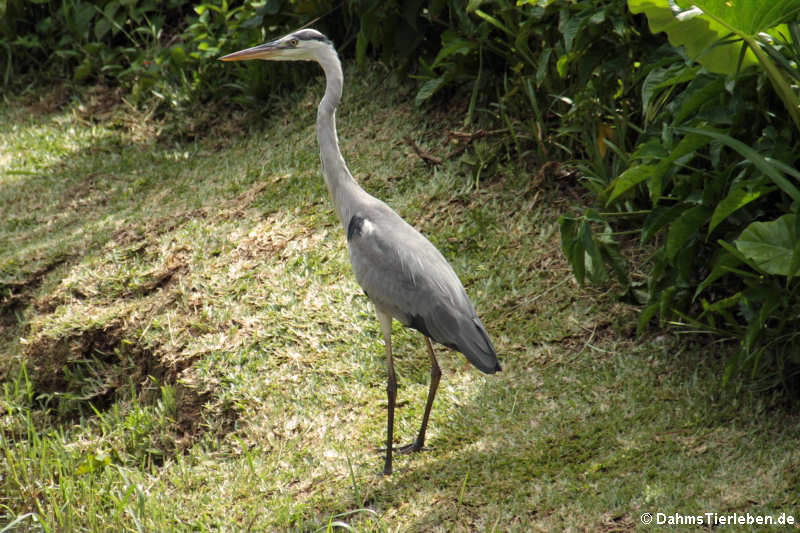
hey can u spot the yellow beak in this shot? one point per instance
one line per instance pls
(262, 51)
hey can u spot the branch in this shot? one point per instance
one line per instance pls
(425, 156)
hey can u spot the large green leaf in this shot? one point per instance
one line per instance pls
(697, 34)
(737, 198)
(770, 245)
(771, 168)
(655, 173)
(630, 178)
(745, 17)
(704, 28)
(700, 25)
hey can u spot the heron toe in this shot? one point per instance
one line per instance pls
(415, 446)
(405, 450)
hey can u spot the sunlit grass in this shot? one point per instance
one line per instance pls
(185, 348)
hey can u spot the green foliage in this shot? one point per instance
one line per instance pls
(161, 49)
(84, 40)
(699, 34)
(770, 247)
(545, 69)
(715, 164)
(703, 25)
(394, 29)
(557, 73)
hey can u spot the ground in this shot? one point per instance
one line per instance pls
(184, 346)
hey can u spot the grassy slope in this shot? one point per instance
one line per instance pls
(199, 356)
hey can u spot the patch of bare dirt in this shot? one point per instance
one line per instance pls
(49, 102)
(16, 294)
(99, 103)
(98, 361)
(96, 352)
(87, 339)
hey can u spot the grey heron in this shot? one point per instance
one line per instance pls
(401, 272)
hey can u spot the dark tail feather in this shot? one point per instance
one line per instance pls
(456, 330)
(477, 347)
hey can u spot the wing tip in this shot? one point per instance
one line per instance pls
(476, 345)
(484, 357)
(487, 365)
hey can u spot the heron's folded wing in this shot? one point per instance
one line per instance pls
(406, 277)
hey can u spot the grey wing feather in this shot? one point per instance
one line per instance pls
(408, 278)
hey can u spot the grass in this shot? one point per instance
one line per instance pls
(184, 347)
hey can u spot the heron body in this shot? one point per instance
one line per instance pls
(401, 272)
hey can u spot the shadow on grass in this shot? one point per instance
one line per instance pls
(593, 440)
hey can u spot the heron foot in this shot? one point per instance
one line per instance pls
(415, 446)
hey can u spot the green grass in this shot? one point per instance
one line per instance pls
(184, 346)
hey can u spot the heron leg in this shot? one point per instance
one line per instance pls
(436, 374)
(391, 387)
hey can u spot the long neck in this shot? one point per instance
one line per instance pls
(342, 187)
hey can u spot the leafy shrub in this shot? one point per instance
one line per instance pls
(711, 186)
(151, 48)
(83, 39)
(558, 73)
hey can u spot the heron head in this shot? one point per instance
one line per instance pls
(302, 45)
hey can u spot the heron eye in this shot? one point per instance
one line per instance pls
(294, 42)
